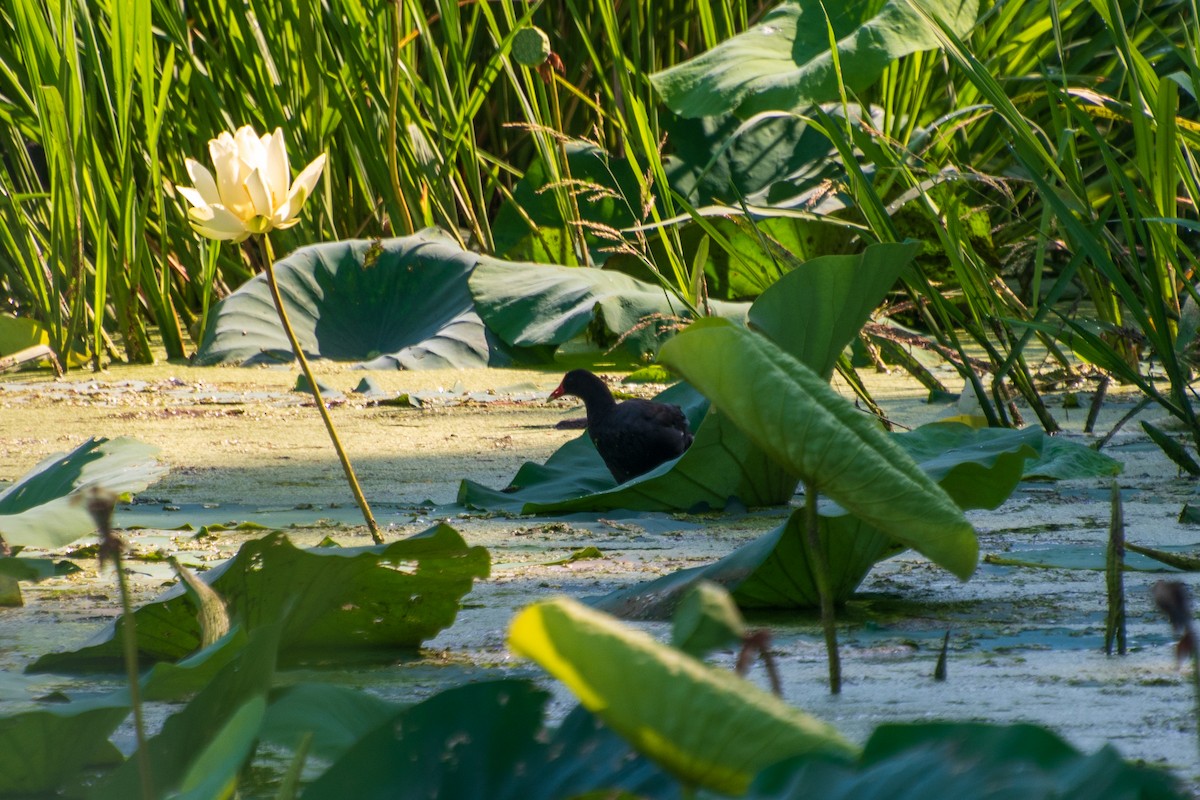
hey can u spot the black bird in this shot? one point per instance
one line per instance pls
(633, 437)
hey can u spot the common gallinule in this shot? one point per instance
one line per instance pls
(633, 437)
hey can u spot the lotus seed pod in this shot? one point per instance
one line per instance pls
(530, 47)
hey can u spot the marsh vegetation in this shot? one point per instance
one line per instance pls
(751, 202)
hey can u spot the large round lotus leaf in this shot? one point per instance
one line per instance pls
(544, 305)
(42, 509)
(785, 61)
(815, 434)
(395, 303)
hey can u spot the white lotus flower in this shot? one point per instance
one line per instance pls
(250, 193)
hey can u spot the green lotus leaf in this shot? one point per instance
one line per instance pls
(348, 600)
(43, 750)
(15, 568)
(705, 725)
(974, 467)
(34, 569)
(200, 751)
(979, 468)
(456, 740)
(770, 572)
(785, 63)
(482, 741)
(1063, 459)
(45, 509)
(20, 333)
(336, 716)
(533, 227)
(174, 681)
(814, 433)
(214, 771)
(531, 305)
(759, 252)
(10, 593)
(913, 761)
(393, 303)
(780, 161)
(707, 619)
(819, 310)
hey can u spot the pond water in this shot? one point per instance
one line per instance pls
(1025, 641)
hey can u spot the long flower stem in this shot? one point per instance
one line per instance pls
(130, 646)
(820, 570)
(376, 536)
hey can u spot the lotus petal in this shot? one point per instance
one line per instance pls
(250, 148)
(224, 152)
(203, 180)
(305, 182)
(218, 222)
(260, 193)
(276, 169)
(282, 218)
(193, 197)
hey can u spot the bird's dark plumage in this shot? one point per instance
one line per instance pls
(633, 437)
